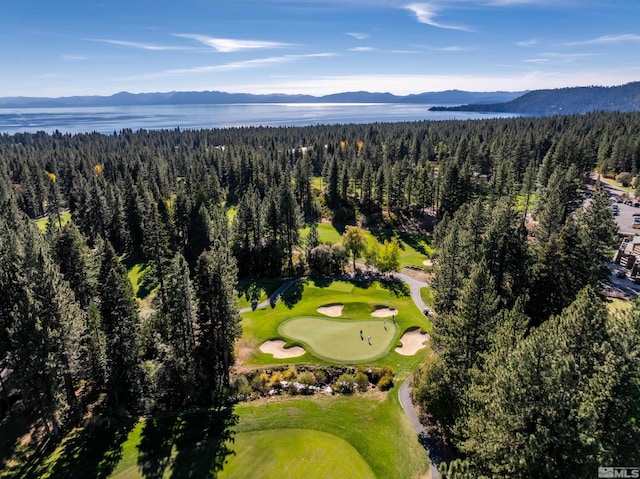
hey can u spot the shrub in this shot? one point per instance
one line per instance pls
(307, 379)
(362, 381)
(624, 178)
(321, 377)
(385, 383)
(345, 384)
(290, 374)
(259, 382)
(242, 386)
(375, 374)
(276, 378)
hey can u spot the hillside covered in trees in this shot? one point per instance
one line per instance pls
(563, 101)
(532, 377)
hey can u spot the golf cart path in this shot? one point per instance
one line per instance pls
(274, 297)
(404, 392)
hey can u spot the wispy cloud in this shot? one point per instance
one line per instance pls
(607, 39)
(255, 63)
(141, 46)
(453, 48)
(527, 43)
(73, 58)
(357, 36)
(227, 45)
(362, 49)
(427, 13)
(511, 3)
(559, 57)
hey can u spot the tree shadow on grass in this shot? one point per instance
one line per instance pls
(397, 288)
(202, 442)
(417, 241)
(156, 442)
(321, 281)
(293, 294)
(193, 445)
(12, 429)
(93, 451)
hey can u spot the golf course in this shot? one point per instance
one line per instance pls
(370, 323)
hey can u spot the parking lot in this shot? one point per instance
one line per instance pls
(624, 218)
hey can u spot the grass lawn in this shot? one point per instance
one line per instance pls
(65, 217)
(138, 275)
(359, 436)
(294, 453)
(414, 248)
(617, 184)
(374, 426)
(427, 296)
(360, 299)
(232, 211)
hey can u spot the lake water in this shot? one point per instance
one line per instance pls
(110, 119)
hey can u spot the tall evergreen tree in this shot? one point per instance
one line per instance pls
(218, 322)
(122, 330)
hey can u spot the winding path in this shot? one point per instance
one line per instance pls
(404, 392)
(274, 297)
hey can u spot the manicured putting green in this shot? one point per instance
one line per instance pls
(339, 340)
(278, 453)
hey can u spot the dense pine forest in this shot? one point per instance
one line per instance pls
(532, 376)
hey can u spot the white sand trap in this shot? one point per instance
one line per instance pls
(276, 348)
(427, 262)
(412, 342)
(333, 310)
(384, 312)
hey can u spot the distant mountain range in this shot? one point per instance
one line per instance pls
(451, 97)
(537, 102)
(562, 101)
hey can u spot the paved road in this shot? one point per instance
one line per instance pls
(435, 455)
(414, 286)
(274, 297)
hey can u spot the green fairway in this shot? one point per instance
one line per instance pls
(375, 426)
(342, 341)
(294, 453)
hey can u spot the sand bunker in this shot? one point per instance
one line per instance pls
(412, 342)
(276, 348)
(427, 262)
(333, 310)
(384, 312)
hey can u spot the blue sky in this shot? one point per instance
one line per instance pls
(85, 47)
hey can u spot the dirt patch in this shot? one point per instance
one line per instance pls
(384, 312)
(412, 342)
(333, 310)
(276, 348)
